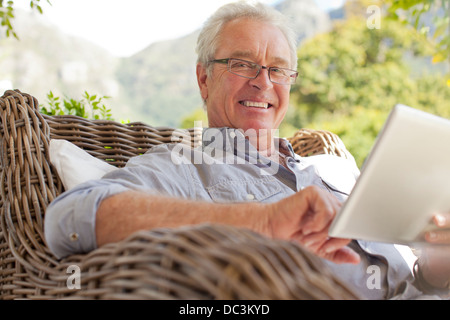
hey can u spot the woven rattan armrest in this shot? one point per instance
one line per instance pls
(197, 262)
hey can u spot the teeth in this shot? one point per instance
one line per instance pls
(255, 104)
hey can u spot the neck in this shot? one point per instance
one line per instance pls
(264, 142)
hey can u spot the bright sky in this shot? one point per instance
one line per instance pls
(111, 23)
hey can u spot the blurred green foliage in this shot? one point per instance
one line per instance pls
(7, 15)
(412, 12)
(197, 115)
(351, 77)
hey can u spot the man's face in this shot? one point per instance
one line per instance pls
(238, 102)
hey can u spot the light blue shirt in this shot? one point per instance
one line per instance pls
(226, 168)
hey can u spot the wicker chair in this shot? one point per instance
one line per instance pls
(196, 262)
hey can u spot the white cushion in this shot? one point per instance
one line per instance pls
(74, 165)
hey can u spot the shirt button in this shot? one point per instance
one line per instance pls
(250, 197)
(73, 236)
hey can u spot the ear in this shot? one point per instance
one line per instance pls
(202, 76)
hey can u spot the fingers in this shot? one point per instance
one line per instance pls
(442, 220)
(306, 217)
(336, 250)
(333, 249)
(438, 236)
(344, 255)
(442, 234)
(323, 209)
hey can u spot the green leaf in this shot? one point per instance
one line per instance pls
(440, 29)
(88, 107)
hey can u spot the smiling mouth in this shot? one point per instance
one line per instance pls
(254, 104)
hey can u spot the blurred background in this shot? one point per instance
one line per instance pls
(134, 60)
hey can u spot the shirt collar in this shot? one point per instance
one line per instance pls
(232, 140)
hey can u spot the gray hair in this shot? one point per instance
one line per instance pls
(208, 38)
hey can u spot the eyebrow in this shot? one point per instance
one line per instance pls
(277, 61)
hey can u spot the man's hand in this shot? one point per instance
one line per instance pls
(434, 261)
(306, 217)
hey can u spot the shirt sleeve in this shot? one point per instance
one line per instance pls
(70, 218)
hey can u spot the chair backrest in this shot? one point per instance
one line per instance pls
(308, 142)
(115, 142)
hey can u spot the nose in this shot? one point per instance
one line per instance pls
(262, 80)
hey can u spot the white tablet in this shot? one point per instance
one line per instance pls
(403, 183)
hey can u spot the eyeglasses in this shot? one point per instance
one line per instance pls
(251, 70)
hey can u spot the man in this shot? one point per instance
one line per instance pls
(246, 177)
